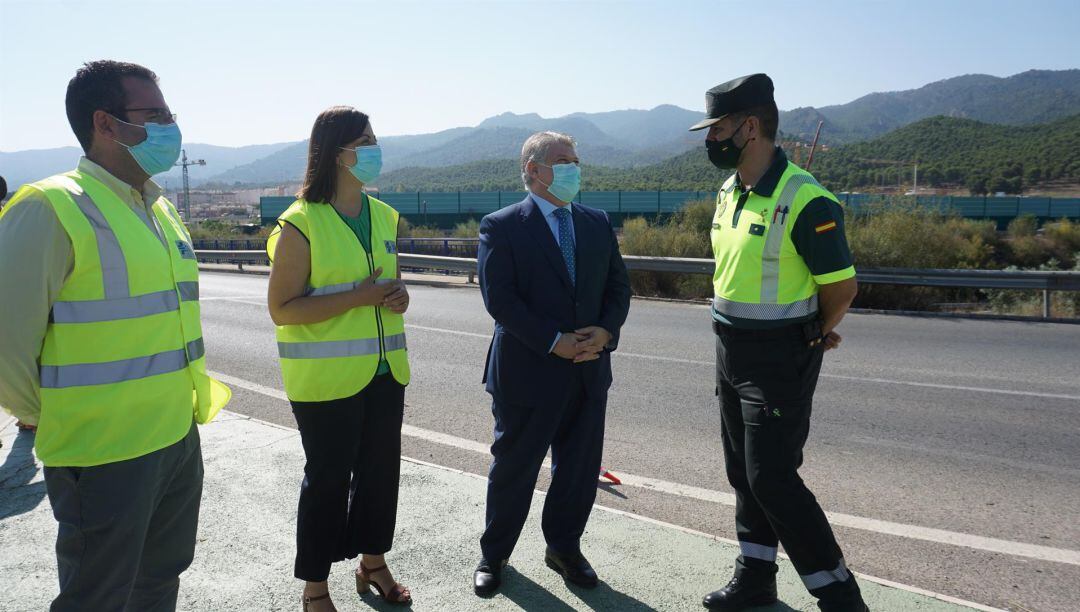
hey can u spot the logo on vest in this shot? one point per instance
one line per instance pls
(186, 252)
(721, 207)
(391, 247)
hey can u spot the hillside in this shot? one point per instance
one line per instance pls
(25, 166)
(952, 152)
(639, 140)
(1028, 98)
(690, 171)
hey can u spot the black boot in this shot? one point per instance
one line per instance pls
(741, 593)
(488, 577)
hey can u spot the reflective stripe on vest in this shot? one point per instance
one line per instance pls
(767, 312)
(96, 311)
(86, 374)
(339, 348)
(332, 289)
(113, 265)
(770, 257)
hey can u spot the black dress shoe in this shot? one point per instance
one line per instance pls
(488, 577)
(574, 568)
(742, 593)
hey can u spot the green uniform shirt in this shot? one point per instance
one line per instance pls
(361, 226)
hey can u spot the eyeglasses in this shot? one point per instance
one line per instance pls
(157, 114)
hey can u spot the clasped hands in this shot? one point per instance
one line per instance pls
(389, 293)
(583, 344)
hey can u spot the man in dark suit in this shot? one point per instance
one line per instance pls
(555, 283)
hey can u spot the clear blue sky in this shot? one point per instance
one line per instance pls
(246, 72)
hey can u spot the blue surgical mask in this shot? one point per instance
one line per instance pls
(159, 152)
(565, 182)
(368, 163)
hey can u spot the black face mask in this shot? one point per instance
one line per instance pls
(723, 153)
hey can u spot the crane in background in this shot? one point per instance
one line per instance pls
(185, 163)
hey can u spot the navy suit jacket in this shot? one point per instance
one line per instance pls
(527, 290)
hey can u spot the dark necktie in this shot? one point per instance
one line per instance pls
(566, 242)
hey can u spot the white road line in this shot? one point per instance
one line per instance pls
(916, 532)
(887, 381)
(955, 387)
(449, 331)
(242, 300)
(250, 386)
(966, 456)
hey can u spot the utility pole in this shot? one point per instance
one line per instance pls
(184, 162)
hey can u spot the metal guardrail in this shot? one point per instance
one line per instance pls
(1047, 282)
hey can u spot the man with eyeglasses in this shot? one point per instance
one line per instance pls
(102, 347)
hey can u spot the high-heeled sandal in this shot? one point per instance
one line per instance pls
(399, 594)
(304, 599)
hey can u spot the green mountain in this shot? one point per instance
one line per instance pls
(690, 171)
(625, 138)
(951, 152)
(954, 152)
(27, 166)
(1028, 98)
(652, 145)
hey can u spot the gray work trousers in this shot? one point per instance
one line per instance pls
(127, 529)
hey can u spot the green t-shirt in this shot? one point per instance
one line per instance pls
(361, 226)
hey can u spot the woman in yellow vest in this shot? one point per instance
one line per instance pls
(337, 300)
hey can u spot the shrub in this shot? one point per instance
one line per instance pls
(408, 230)
(469, 229)
(684, 234)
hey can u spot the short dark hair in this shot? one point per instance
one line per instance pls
(334, 128)
(98, 85)
(768, 116)
(3, 188)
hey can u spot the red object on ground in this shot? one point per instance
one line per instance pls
(609, 476)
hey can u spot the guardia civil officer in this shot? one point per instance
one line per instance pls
(784, 279)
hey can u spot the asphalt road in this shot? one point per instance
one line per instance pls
(948, 450)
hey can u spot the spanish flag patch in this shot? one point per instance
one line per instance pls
(824, 227)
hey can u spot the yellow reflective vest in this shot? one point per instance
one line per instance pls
(122, 371)
(759, 273)
(338, 358)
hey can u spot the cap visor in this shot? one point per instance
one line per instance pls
(701, 125)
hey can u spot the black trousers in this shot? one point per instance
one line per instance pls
(348, 499)
(574, 431)
(766, 380)
(127, 529)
